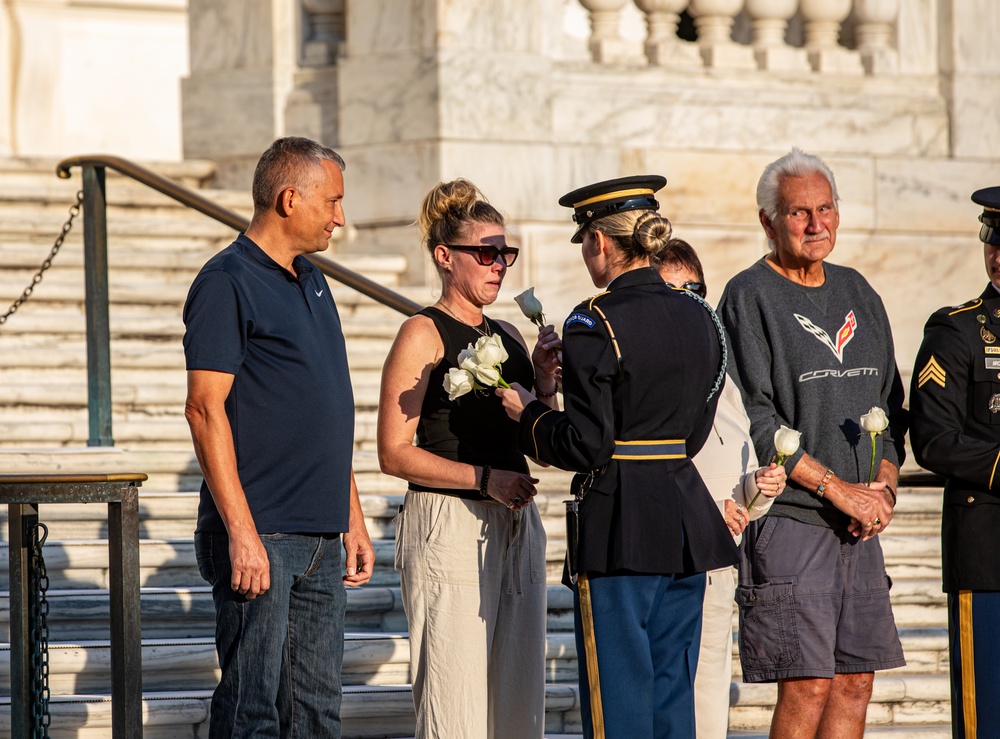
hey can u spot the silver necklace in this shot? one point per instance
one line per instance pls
(485, 323)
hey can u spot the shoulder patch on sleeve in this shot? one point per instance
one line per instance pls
(579, 318)
(932, 372)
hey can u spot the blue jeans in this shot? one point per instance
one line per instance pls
(280, 653)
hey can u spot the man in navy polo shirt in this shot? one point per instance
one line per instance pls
(271, 413)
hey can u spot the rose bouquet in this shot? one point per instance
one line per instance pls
(478, 368)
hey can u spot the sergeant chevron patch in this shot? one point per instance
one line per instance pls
(932, 372)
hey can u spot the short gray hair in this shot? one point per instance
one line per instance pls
(795, 163)
(284, 165)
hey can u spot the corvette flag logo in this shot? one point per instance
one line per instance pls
(844, 335)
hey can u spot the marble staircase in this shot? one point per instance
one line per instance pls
(155, 249)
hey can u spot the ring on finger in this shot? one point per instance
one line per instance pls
(877, 521)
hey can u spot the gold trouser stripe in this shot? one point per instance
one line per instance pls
(590, 647)
(968, 658)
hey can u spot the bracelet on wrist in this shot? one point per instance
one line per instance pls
(484, 482)
(892, 494)
(821, 488)
(539, 394)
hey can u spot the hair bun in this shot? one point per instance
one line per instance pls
(455, 199)
(652, 232)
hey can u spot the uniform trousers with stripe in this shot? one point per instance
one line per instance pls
(974, 648)
(637, 639)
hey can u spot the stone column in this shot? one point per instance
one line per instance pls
(606, 44)
(874, 32)
(9, 54)
(663, 47)
(822, 20)
(714, 21)
(969, 32)
(435, 89)
(243, 59)
(769, 20)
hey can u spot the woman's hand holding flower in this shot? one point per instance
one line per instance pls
(786, 443)
(547, 356)
(771, 480)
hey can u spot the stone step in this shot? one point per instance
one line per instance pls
(192, 664)
(172, 563)
(167, 328)
(185, 613)
(901, 706)
(367, 712)
(369, 659)
(158, 285)
(176, 469)
(173, 516)
(44, 354)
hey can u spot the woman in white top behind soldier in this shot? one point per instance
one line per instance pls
(642, 368)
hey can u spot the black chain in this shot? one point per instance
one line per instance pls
(39, 619)
(74, 211)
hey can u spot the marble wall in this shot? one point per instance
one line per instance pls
(78, 76)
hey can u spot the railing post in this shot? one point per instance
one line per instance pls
(21, 518)
(95, 250)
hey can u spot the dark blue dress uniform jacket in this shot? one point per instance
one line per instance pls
(640, 516)
(955, 432)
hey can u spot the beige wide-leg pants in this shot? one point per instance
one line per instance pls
(472, 577)
(715, 660)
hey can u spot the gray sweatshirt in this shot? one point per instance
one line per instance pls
(814, 359)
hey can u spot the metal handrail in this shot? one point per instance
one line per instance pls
(198, 202)
(95, 253)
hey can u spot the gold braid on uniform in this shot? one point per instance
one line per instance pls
(721, 330)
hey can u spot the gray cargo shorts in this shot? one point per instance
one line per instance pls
(814, 602)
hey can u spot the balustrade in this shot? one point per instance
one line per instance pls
(822, 48)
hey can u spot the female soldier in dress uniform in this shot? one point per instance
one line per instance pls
(642, 366)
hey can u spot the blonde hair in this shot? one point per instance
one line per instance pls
(637, 233)
(449, 208)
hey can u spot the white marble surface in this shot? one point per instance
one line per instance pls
(81, 78)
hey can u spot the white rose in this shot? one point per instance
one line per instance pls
(487, 375)
(874, 421)
(457, 382)
(530, 306)
(489, 351)
(786, 441)
(467, 359)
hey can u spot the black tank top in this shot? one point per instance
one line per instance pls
(474, 428)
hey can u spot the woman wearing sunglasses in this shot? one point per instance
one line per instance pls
(728, 465)
(470, 547)
(642, 367)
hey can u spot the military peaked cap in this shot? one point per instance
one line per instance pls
(989, 198)
(611, 196)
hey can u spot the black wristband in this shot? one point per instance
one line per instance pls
(892, 494)
(484, 481)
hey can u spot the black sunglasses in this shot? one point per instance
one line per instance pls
(698, 288)
(487, 253)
